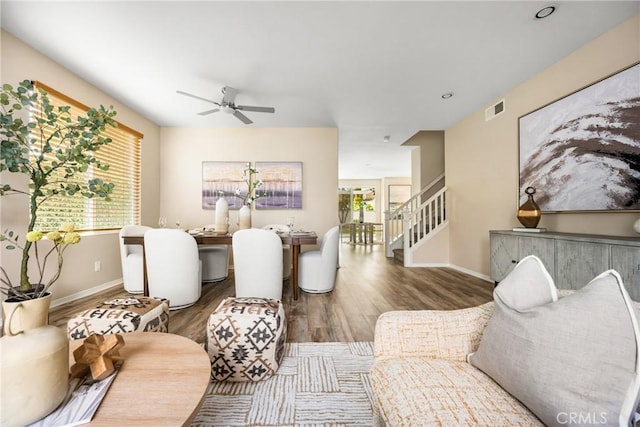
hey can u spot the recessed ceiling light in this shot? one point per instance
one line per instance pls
(447, 95)
(545, 12)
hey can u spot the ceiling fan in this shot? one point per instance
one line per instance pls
(228, 105)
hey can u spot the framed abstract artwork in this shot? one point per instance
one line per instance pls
(282, 185)
(398, 194)
(581, 153)
(223, 179)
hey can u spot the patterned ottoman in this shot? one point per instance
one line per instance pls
(245, 339)
(143, 314)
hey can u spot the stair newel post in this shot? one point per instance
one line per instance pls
(407, 233)
(387, 233)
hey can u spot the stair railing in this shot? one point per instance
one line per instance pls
(394, 227)
(424, 220)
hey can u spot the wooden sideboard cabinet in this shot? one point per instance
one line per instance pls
(571, 259)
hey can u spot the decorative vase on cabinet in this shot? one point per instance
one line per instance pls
(529, 212)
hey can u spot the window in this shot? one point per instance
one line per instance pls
(123, 157)
(356, 204)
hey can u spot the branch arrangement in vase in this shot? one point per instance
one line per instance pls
(250, 177)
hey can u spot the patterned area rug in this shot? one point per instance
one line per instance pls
(318, 384)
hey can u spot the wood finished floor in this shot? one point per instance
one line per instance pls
(367, 285)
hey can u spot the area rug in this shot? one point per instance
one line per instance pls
(317, 384)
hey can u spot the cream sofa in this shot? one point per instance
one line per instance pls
(420, 376)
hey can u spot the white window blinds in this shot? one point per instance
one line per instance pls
(123, 157)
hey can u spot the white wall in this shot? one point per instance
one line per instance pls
(183, 150)
(481, 158)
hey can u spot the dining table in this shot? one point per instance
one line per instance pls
(295, 240)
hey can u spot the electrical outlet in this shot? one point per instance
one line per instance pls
(97, 266)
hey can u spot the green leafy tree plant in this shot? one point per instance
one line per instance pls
(53, 149)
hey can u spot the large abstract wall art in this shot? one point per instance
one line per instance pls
(223, 179)
(282, 185)
(582, 152)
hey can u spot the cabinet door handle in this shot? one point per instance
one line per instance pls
(513, 261)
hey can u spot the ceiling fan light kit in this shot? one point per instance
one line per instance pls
(227, 105)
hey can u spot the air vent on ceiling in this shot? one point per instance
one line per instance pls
(495, 110)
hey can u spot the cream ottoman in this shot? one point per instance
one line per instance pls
(121, 315)
(245, 339)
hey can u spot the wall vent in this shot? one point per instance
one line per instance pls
(495, 110)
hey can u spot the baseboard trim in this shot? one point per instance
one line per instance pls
(471, 272)
(430, 264)
(85, 293)
(455, 267)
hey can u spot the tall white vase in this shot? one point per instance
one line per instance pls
(244, 217)
(222, 216)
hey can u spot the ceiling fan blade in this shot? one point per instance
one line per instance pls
(204, 113)
(229, 95)
(196, 97)
(256, 109)
(246, 120)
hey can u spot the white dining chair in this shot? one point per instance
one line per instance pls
(215, 260)
(132, 260)
(173, 266)
(286, 249)
(317, 269)
(257, 261)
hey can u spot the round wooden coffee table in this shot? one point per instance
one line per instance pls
(162, 381)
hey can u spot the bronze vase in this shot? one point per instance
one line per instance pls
(529, 213)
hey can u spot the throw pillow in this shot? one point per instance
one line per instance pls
(528, 285)
(571, 361)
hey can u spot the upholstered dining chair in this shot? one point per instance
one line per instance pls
(173, 266)
(131, 259)
(215, 260)
(317, 269)
(257, 261)
(286, 249)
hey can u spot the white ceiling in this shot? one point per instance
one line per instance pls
(368, 68)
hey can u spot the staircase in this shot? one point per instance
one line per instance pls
(414, 223)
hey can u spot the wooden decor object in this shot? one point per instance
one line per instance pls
(100, 355)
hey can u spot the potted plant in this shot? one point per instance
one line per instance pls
(51, 149)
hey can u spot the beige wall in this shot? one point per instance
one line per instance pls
(184, 149)
(20, 62)
(427, 160)
(481, 158)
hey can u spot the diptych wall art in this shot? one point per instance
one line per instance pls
(282, 185)
(582, 152)
(223, 179)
